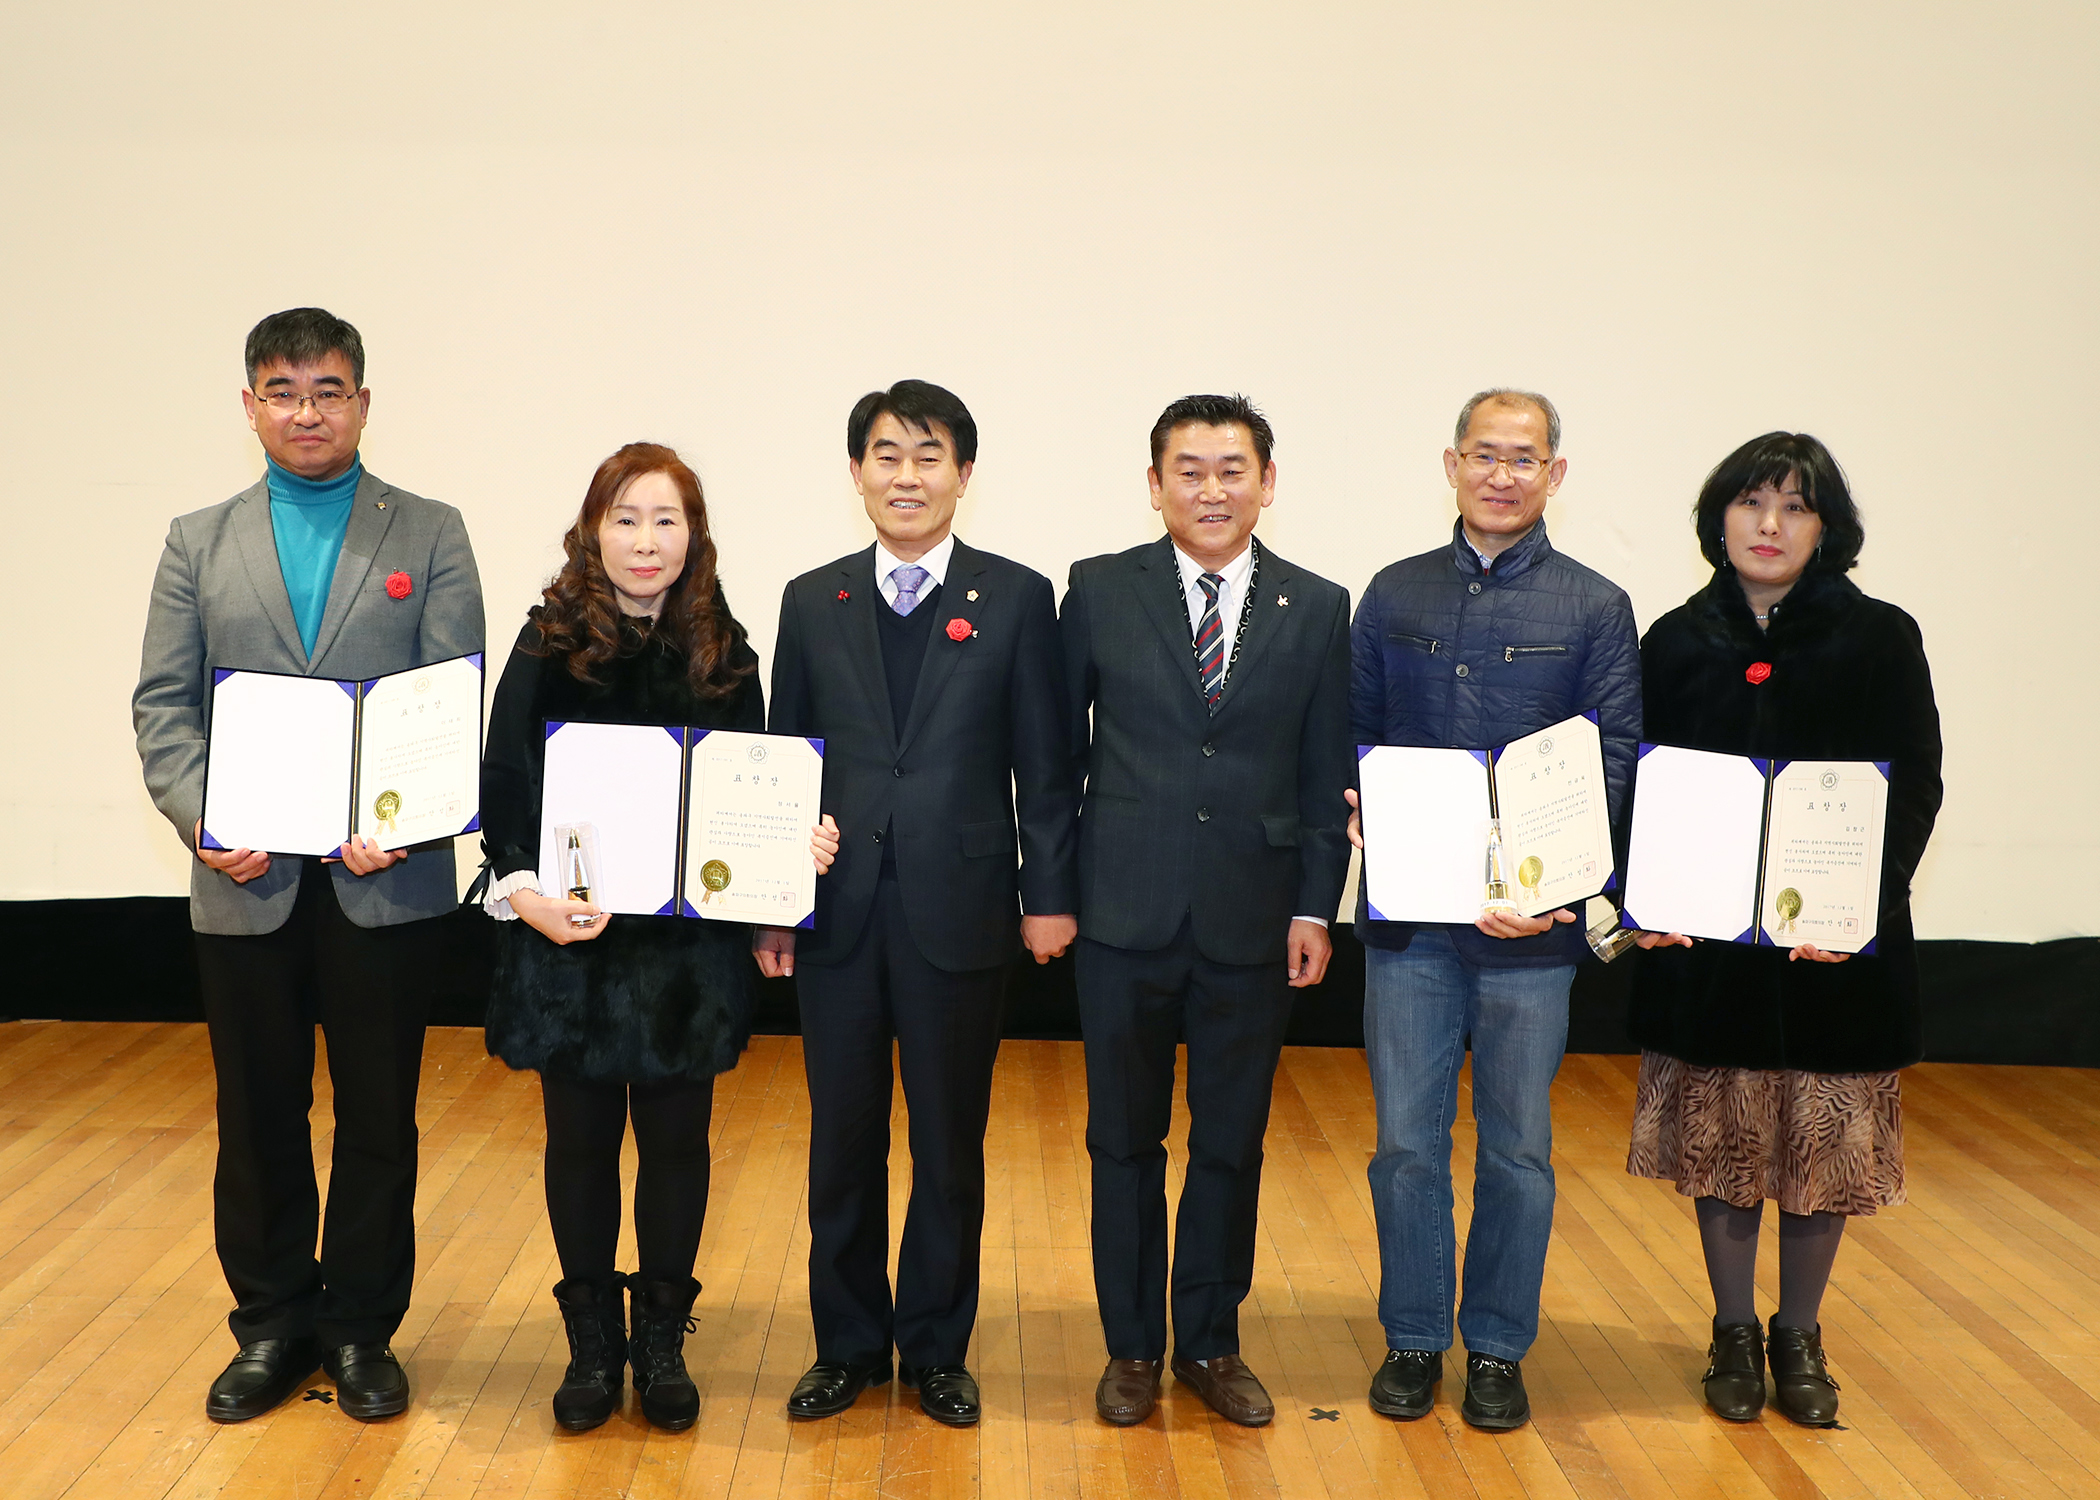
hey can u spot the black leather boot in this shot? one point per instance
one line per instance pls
(593, 1314)
(656, 1349)
(1801, 1387)
(1735, 1371)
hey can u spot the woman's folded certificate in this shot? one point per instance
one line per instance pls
(1757, 851)
(664, 820)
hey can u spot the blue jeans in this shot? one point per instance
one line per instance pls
(1420, 1005)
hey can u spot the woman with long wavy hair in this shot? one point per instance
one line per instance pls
(627, 1018)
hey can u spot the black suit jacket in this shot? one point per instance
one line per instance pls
(986, 731)
(1234, 819)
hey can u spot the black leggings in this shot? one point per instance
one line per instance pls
(585, 1125)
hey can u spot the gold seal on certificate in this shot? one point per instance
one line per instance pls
(1788, 904)
(386, 807)
(1530, 873)
(715, 876)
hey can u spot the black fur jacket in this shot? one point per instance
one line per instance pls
(653, 997)
(1848, 681)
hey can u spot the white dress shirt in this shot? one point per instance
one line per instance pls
(935, 563)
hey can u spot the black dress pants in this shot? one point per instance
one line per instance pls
(947, 1031)
(369, 989)
(1133, 1009)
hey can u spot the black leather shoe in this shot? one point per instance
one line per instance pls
(1495, 1399)
(1735, 1371)
(594, 1316)
(947, 1393)
(828, 1388)
(261, 1375)
(1801, 1387)
(662, 1316)
(1405, 1385)
(369, 1381)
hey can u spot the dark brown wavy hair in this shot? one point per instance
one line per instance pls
(579, 617)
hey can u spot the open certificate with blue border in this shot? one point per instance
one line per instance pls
(1427, 814)
(296, 765)
(1771, 852)
(675, 821)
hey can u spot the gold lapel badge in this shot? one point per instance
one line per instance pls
(1282, 600)
(971, 596)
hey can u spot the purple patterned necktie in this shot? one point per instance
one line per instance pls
(1210, 639)
(909, 578)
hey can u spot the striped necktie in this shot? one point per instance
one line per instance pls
(1210, 639)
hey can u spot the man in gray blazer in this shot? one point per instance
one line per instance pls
(1212, 854)
(318, 569)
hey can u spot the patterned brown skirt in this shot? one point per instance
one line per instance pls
(1811, 1142)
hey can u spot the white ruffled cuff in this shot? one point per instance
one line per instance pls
(497, 902)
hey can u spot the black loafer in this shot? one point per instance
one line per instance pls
(369, 1381)
(947, 1393)
(1495, 1399)
(1735, 1371)
(1801, 1385)
(828, 1387)
(260, 1377)
(1405, 1385)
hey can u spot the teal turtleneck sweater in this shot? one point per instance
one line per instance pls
(309, 519)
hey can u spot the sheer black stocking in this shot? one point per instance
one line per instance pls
(1808, 1245)
(585, 1125)
(1729, 1236)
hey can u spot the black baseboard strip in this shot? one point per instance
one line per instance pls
(130, 959)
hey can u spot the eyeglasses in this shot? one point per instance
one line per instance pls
(327, 403)
(1520, 469)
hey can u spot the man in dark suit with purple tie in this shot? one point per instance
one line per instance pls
(931, 671)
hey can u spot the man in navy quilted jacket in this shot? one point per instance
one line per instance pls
(1490, 638)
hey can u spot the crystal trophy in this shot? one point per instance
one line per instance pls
(576, 869)
(1497, 876)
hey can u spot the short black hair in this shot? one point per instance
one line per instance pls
(918, 404)
(304, 336)
(1214, 411)
(1773, 459)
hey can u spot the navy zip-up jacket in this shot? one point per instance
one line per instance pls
(1449, 654)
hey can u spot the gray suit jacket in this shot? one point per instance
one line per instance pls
(219, 601)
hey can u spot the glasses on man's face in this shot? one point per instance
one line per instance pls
(1481, 465)
(327, 403)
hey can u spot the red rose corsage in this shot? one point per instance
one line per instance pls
(960, 630)
(1757, 672)
(398, 585)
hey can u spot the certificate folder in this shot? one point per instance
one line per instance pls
(1769, 852)
(685, 822)
(296, 765)
(1426, 814)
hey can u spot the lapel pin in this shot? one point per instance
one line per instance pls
(971, 596)
(1282, 600)
(380, 503)
(844, 595)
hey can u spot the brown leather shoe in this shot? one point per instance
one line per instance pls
(1129, 1390)
(1228, 1388)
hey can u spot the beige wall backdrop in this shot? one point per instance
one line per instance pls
(564, 227)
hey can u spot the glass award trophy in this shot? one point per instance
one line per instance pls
(576, 881)
(1497, 878)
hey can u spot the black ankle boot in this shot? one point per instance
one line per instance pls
(1735, 1371)
(1801, 1386)
(662, 1319)
(593, 1316)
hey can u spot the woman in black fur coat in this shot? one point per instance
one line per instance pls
(1768, 1073)
(630, 1016)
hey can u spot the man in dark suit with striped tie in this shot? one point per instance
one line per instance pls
(1212, 853)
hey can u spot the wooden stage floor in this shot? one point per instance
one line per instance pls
(1962, 1326)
